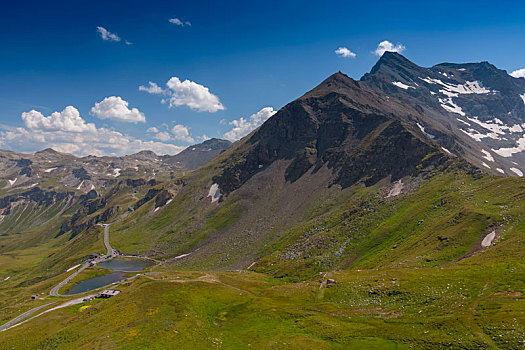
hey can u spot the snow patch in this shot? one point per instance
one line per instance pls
(402, 86)
(496, 126)
(476, 135)
(523, 97)
(73, 267)
(49, 170)
(516, 171)
(214, 193)
(446, 150)
(12, 182)
(470, 87)
(116, 172)
(485, 165)
(396, 189)
(487, 241)
(500, 170)
(509, 151)
(449, 105)
(156, 209)
(487, 155)
(424, 132)
(79, 186)
(169, 201)
(454, 90)
(464, 122)
(92, 187)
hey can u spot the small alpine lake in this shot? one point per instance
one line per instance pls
(119, 267)
(125, 265)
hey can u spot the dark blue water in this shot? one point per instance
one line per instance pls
(95, 282)
(119, 266)
(125, 265)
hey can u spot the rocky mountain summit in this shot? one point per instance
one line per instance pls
(473, 110)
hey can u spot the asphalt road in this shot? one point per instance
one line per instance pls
(106, 239)
(54, 292)
(21, 317)
(18, 320)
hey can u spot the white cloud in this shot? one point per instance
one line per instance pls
(163, 136)
(68, 132)
(205, 137)
(68, 120)
(178, 22)
(386, 45)
(181, 133)
(152, 129)
(242, 127)
(115, 108)
(107, 35)
(520, 73)
(344, 52)
(152, 88)
(186, 93)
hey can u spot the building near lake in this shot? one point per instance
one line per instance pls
(108, 293)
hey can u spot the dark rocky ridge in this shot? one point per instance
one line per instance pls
(493, 97)
(357, 133)
(195, 156)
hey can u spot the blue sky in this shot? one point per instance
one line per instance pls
(250, 56)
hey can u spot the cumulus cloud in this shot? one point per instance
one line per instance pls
(163, 136)
(344, 52)
(68, 120)
(178, 22)
(386, 45)
(520, 73)
(152, 88)
(242, 127)
(181, 133)
(115, 108)
(186, 93)
(152, 129)
(68, 132)
(107, 35)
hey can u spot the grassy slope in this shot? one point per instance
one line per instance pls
(443, 220)
(397, 282)
(459, 307)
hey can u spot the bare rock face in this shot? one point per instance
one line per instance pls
(474, 110)
(195, 156)
(341, 124)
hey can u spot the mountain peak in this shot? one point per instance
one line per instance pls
(393, 60)
(47, 150)
(337, 81)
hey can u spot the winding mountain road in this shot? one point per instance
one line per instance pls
(54, 291)
(21, 317)
(106, 239)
